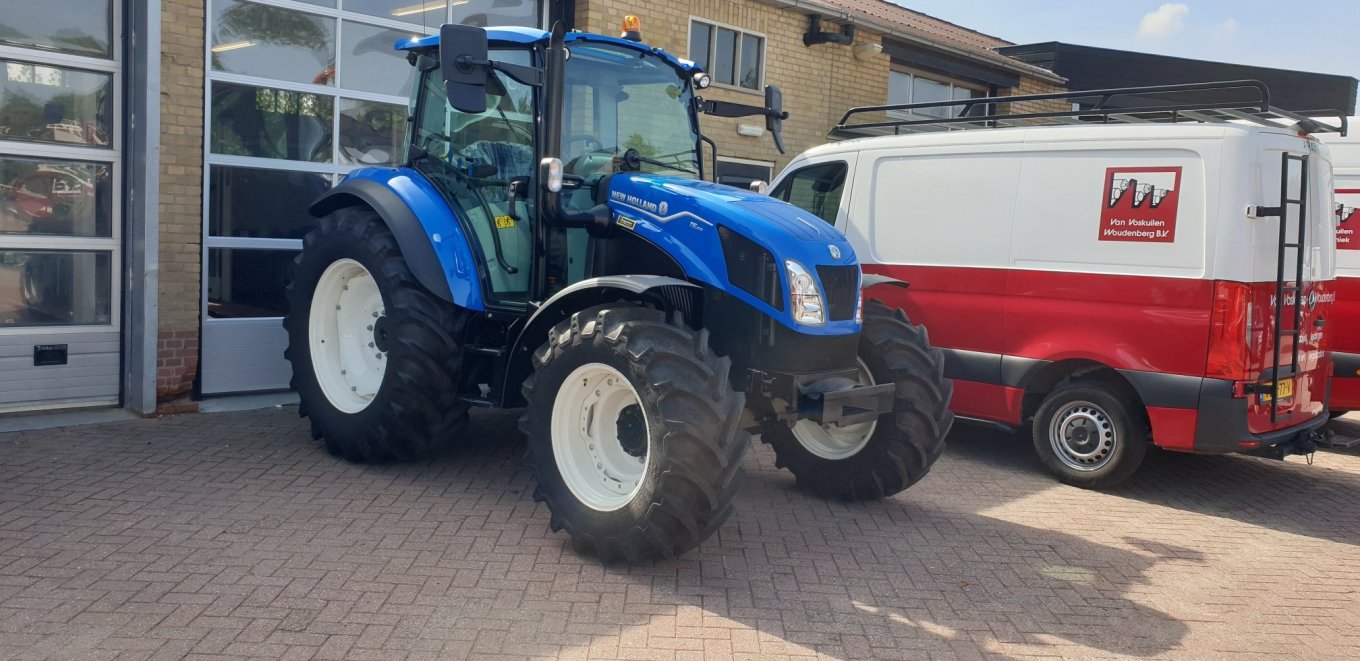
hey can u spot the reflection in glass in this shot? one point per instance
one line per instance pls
(251, 202)
(260, 40)
(430, 13)
(62, 198)
(51, 104)
(750, 61)
(54, 288)
(247, 283)
(370, 63)
(371, 133)
(700, 35)
(724, 57)
(83, 27)
(270, 123)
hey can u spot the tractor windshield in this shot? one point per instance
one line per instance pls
(626, 110)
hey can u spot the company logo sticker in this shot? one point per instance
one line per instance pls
(626, 223)
(1140, 204)
(1347, 218)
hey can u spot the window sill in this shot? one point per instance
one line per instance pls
(735, 88)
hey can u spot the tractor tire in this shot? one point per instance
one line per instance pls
(657, 477)
(1090, 434)
(375, 355)
(876, 459)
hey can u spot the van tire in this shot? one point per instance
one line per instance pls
(415, 410)
(1076, 419)
(693, 439)
(903, 445)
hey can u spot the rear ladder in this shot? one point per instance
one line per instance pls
(1295, 333)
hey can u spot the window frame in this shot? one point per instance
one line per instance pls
(975, 90)
(742, 33)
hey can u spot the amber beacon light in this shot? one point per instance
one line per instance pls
(632, 28)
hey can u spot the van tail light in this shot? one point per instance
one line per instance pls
(1230, 332)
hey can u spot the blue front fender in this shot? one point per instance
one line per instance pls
(430, 237)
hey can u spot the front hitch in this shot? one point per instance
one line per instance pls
(843, 402)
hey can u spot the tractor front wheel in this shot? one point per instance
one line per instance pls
(880, 458)
(634, 433)
(374, 354)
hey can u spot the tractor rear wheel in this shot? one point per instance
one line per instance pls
(634, 433)
(880, 458)
(374, 355)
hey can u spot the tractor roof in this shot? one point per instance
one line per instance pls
(520, 36)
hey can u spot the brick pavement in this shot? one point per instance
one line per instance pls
(235, 535)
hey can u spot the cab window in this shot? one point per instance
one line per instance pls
(816, 189)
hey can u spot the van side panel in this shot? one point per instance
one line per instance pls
(1345, 320)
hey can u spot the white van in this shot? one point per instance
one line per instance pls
(1118, 285)
(1346, 344)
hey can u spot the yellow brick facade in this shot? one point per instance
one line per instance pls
(181, 200)
(819, 82)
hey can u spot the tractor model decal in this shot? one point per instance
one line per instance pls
(1140, 204)
(1347, 218)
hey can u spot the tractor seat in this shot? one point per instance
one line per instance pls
(510, 159)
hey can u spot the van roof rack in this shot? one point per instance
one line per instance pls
(1123, 105)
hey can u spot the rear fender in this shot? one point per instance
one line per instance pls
(669, 293)
(431, 240)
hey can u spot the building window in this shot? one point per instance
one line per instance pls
(912, 88)
(741, 172)
(733, 57)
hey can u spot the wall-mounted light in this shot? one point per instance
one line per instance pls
(750, 130)
(867, 51)
(235, 45)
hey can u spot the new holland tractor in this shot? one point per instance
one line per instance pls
(549, 242)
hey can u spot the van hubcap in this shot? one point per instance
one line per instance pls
(348, 335)
(1082, 436)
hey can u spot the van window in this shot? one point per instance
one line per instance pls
(815, 188)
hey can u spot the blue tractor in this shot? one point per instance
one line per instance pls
(549, 243)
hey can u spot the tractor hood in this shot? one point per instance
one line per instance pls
(757, 216)
(683, 217)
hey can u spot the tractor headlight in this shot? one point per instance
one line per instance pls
(805, 300)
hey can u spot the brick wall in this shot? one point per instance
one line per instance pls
(819, 82)
(1031, 85)
(181, 202)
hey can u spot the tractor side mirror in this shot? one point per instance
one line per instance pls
(775, 115)
(463, 61)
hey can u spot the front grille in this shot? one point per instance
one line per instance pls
(840, 284)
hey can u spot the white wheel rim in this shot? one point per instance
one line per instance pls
(832, 441)
(586, 440)
(347, 362)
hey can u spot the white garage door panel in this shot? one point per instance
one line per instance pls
(244, 355)
(89, 377)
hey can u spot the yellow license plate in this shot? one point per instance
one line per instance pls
(1285, 389)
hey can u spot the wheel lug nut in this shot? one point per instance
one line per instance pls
(370, 327)
(370, 345)
(342, 371)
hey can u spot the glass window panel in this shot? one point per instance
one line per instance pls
(83, 27)
(253, 202)
(524, 13)
(63, 198)
(700, 41)
(368, 62)
(816, 189)
(283, 44)
(247, 283)
(55, 288)
(52, 104)
(320, 3)
(420, 12)
(270, 123)
(750, 61)
(371, 133)
(725, 56)
(925, 90)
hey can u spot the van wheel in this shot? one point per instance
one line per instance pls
(634, 433)
(1090, 435)
(374, 354)
(880, 458)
